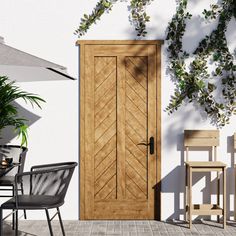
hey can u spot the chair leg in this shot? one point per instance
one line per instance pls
(22, 192)
(235, 192)
(1, 223)
(13, 220)
(49, 222)
(224, 197)
(218, 194)
(60, 220)
(186, 194)
(16, 218)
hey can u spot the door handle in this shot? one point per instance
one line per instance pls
(151, 144)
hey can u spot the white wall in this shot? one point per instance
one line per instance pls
(45, 28)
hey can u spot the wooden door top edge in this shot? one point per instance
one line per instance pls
(119, 42)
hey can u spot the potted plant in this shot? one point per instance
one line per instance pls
(9, 116)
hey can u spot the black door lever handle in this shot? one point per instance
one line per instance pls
(151, 144)
(144, 144)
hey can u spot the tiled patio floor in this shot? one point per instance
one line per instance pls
(126, 228)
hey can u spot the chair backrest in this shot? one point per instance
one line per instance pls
(50, 179)
(18, 153)
(201, 138)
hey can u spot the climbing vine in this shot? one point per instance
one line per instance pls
(88, 20)
(215, 92)
(138, 15)
(194, 83)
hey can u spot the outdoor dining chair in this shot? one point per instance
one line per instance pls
(45, 187)
(204, 139)
(7, 182)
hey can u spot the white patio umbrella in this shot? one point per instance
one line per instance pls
(10, 56)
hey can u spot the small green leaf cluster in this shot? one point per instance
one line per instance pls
(213, 13)
(195, 84)
(176, 31)
(88, 20)
(139, 16)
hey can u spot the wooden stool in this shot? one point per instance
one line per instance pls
(234, 179)
(204, 138)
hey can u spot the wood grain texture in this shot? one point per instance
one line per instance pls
(89, 133)
(158, 135)
(121, 129)
(224, 198)
(198, 138)
(105, 128)
(136, 79)
(205, 164)
(152, 129)
(81, 133)
(120, 42)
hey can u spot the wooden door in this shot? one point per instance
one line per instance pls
(119, 178)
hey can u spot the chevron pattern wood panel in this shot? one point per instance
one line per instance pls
(136, 127)
(105, 128)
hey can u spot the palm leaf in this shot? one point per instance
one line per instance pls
(9, 116)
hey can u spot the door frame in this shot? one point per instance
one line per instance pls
(82, 64)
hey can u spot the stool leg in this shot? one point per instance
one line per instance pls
(186, 193)
(190, 198)
(235, 192)
(224, 197)
(218, 194)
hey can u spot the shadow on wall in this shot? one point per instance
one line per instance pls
(8, 133)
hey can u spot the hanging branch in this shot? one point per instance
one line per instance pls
(88, 20)
(139, 16)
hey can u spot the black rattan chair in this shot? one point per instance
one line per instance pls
(45, 187)
(18, 153)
